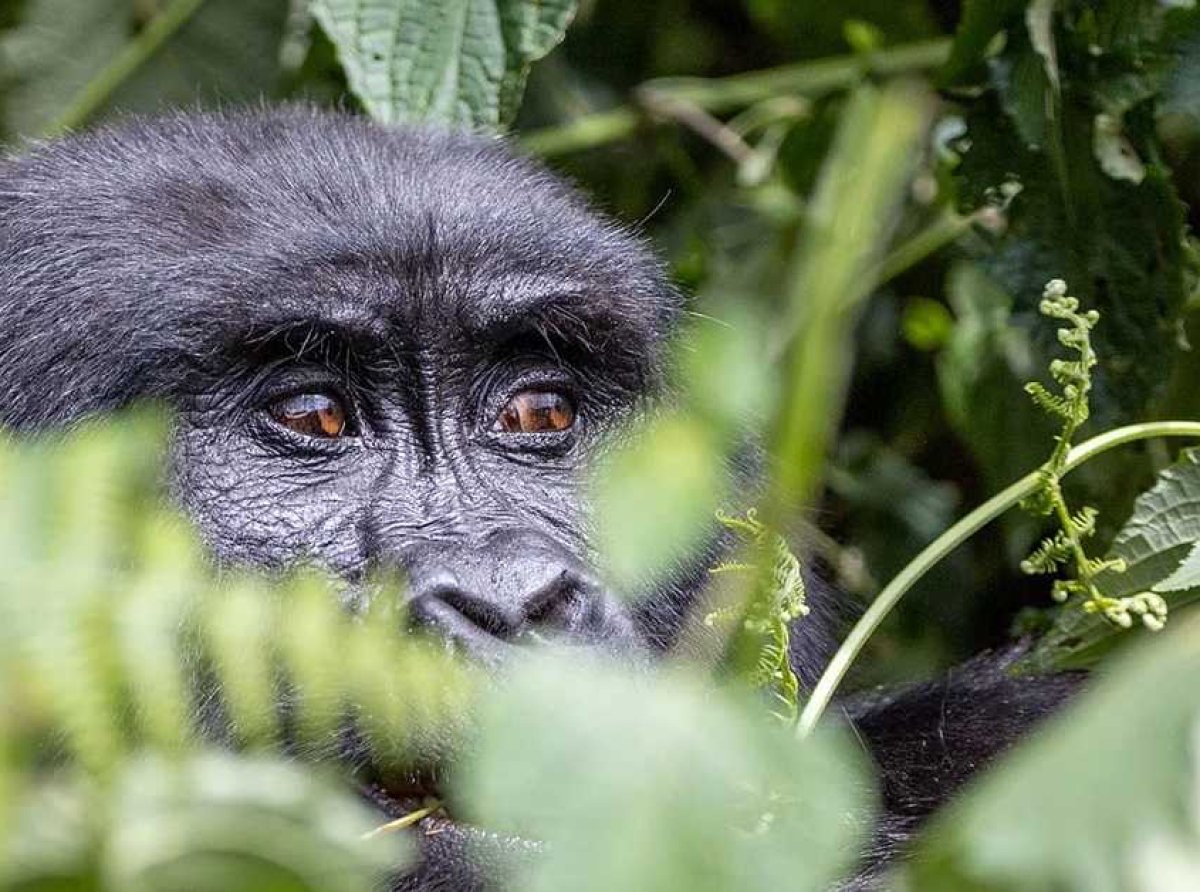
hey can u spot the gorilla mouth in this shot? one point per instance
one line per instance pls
(416, 799)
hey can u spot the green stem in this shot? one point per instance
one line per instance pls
(1083, 572)
(943, 231)
(716, 95)
(133, 56)
(951, 539)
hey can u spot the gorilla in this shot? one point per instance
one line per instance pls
(401, 348)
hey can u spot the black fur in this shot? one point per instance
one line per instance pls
(221, 263)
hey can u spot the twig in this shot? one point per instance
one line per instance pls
(716, 95)
(713, 130)
(431, 806)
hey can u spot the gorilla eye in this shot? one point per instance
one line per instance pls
(537, 412)
(311, 414)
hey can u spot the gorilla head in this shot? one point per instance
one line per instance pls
(386, 348)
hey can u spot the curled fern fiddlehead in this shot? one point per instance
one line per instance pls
(1065, 548)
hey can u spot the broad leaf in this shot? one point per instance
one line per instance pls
(455, 62)
(1104, 799)
(656, 495)
(1074, 146)
(683, 787)
(1158, 544)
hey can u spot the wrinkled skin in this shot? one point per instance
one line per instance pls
(354, 326)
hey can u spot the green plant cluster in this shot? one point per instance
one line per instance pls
(872, 194)
(1066, 547)
(776, 600)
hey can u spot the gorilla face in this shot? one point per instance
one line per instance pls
(386, 349)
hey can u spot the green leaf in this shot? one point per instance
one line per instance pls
(1186, 575)
(1092, 800)
(1159, 537)
(207, 823)
(227, 51)
(455, 62)
(686, 787)
(656, 495)
(1120, 244)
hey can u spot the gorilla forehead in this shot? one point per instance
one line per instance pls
(148, 233)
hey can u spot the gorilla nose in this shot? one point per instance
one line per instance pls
(512, 589)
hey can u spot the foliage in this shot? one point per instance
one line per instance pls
(1114, 783)
(462, 61)
(1066, 547)
(103, 672)
(865, 304)
(734, 802)
(758, 648)
(68, 58)
(1156, 546)
(1067, 117)
(130, 620)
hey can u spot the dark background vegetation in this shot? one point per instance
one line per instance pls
(935, 422)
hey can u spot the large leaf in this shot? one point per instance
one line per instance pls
(654, 784)
(1091, 204)
(455, 61)
(1118, 244)
(227, 51)
(1104, 799)
(1156, 543)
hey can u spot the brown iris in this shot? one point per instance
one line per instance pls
(312, 414)
(537, 412)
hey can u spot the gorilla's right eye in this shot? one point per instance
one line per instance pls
(312, 414)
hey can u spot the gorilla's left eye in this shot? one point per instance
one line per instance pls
(534, 411)
(312, 414)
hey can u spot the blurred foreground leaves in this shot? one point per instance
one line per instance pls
(652, 784)
(1106, 798)
(124, 659)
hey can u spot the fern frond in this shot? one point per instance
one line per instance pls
(1065, 548)
(1051, 554)
(1047, 401)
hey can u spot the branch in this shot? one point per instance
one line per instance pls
(716, 95)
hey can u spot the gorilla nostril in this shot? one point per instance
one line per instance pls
(559, 605)
(452, 605)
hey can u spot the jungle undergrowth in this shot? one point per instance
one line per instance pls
(1065, 548)
(1040, 490)
(758, 648)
